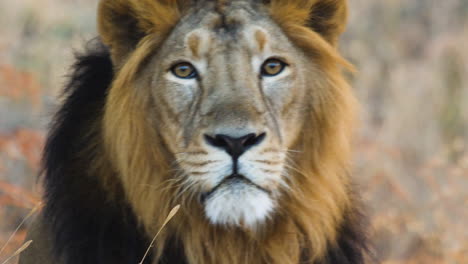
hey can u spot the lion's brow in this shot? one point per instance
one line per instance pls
(261, 40)
(193, 42)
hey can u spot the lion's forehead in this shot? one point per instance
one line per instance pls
(238, 25)
(226, 18)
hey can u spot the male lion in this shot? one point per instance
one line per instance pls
(236, 110)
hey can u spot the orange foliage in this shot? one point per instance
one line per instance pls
(23, 143)
(19, 84)
(16, 196)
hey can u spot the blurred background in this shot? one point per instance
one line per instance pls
(411, 157)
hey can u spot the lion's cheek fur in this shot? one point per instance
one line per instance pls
(132, 146)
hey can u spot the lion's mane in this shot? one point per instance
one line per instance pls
(101, 132)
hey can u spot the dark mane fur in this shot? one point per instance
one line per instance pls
(351, 246)
(86, 225)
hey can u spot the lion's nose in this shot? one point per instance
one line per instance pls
(235, 146)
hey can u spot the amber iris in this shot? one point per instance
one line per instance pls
(184, 70)
(272, 67)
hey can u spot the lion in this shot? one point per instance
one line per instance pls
(238, 111)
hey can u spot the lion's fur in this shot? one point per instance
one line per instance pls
(319, 220)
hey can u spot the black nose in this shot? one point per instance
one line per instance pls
(235, 146)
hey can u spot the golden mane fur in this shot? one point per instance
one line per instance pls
(310, 214)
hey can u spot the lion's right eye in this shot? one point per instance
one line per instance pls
(184, 70)
(272, 67)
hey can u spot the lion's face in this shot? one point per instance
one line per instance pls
(236, 110)
(229, 93)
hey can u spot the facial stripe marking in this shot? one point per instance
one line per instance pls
(194, 45)
(261, 39)
(174, 117)
(198, 44)
(199, 173)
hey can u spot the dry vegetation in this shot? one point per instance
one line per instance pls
(411, 151)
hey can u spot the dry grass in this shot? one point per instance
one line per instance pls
(171, 214)
(411, 152)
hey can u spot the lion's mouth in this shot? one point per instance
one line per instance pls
(232, 179)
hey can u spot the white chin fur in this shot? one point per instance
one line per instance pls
(238, 204)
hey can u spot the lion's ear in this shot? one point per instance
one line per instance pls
(123, 23)
(118, 27)
(326, 17)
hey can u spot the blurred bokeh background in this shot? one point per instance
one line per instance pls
(411, 157)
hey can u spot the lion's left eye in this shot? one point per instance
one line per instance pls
(272, 67)
(184, 70)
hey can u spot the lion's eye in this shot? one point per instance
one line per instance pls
(184, 70)
(272, 67)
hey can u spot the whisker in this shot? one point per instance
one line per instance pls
(296, 170)
(283, 183)
(199, 164)
(268, 162)
(187, 186)
(165, 185)
(290, 160)
(293, 151)
(195, 152)
(270, 171)
(176, 169)
(291, 164)
(158, 186)
(270, 150)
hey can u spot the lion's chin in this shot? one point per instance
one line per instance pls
(238, 203)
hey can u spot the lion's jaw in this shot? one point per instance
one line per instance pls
(240, 192)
